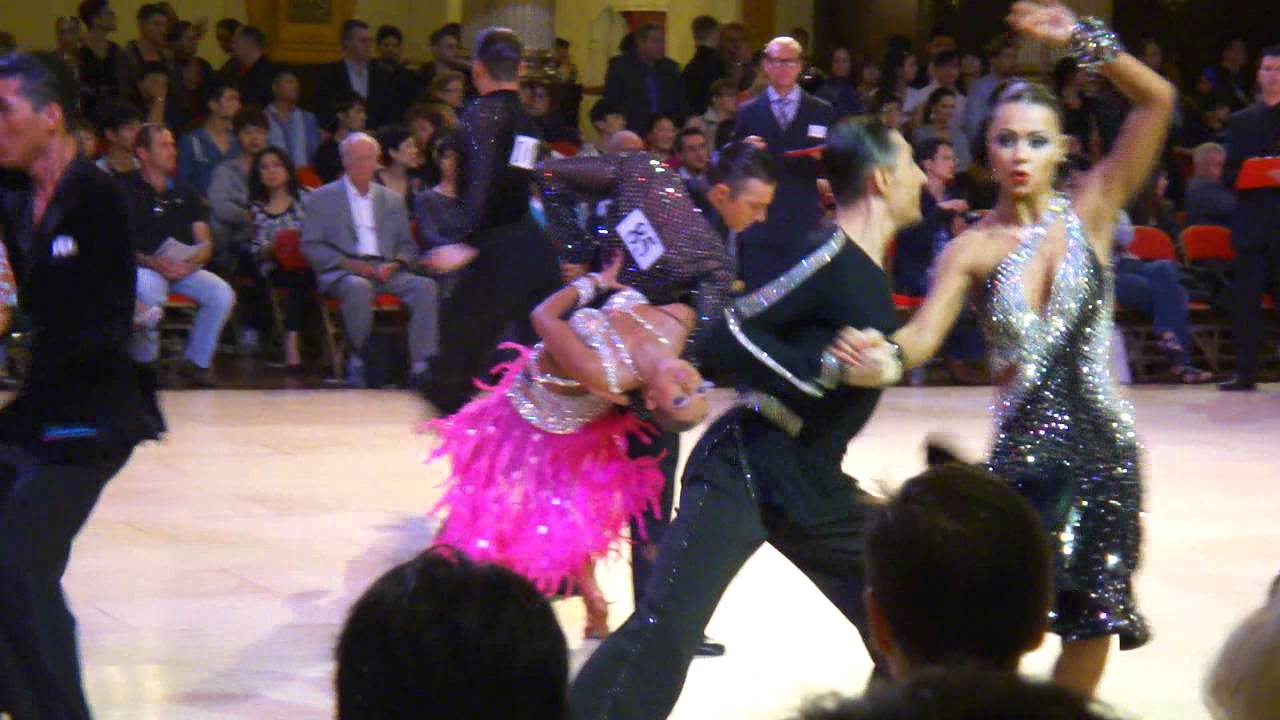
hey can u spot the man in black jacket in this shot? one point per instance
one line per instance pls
(785, 118)
(1255, 232)
(255, 72)
(645, 82)
(510, 264)
(769, 469)
(356, 72)
(706, 66)
(83, 407)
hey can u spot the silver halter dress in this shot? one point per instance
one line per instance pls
(1064, 437)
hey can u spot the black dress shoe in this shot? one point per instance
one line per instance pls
(709, 648)
(1237, 384)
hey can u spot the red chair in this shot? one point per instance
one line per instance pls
(288, 250)
(565, 148)
(1151, 243)
(1207, 242)
(384, 305)
(308, 178)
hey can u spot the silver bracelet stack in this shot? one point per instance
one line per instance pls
(586, 287)
(1093, 44)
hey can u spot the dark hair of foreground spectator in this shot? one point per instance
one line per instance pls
(443, 638)
(962, 694)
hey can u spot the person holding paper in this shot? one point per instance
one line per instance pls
(510, 265)
(785, 118)
(170, 224)
(1255, 232)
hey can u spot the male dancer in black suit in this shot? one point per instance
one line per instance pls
(785, 118)
(510, 266)
(769, 469)
(82, 408)
(1255, 231)
(683, 258)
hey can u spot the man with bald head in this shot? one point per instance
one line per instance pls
(626, 141)
(356, 236)
(785, 118)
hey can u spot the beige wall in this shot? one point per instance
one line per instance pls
(33, 26)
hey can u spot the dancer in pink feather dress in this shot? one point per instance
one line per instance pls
(540, 478)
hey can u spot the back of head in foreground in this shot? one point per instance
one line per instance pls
(1244, 681)
(443, 638)
(958, 572)
(968, 693)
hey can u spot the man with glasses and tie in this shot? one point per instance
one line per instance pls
(784, 117)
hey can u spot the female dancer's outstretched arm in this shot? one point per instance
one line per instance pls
(1121, 174)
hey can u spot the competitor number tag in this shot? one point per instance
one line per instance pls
(641, 239)
(818, 131)
(524, 152)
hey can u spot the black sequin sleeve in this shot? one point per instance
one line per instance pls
(492, 191)
(565, 185)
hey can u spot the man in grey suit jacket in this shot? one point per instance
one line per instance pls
(356, 237)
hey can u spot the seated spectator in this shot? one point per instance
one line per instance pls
(961, 694)
(194, 72)
(225, 33)
(944, 72)
(294, 130)
(350, 116)
(441, 638)
(695, 157)
(562, 63)
(539, 108)
(449, 88)
(1150, 287)
(400, 159)
(390, 55)
(426, 122)
(705, 67)
(608, 120)
(356, 237)
(86, 134)
(1208, 201)
(1153, 207)
(898, 72)
(1079, 117)
(121, 121)
(255, 72)
(660, 137)
(958, 572)
(277, 204)
(889, 110)
(159, 99)
(625, 141)
(939, 124)
(445, 56)
(717, 121)
(229, 191)
(438, 211)
(840, 88)
(207, 147)
(173, 241)
(99, 56)
(1244, 680)
(943, 208)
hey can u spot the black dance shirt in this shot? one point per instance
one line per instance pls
(158, 216)
(493, 191)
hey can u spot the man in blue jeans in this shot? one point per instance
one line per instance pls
(170, 226)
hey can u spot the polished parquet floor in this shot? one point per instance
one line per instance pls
(214, 576)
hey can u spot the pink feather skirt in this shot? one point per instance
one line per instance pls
(540, 503)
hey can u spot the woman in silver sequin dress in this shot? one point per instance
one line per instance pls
(1039, 267)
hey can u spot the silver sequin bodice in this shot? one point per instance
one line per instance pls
(1064, 436)
(556, 412)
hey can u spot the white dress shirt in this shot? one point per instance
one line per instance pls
(784, 111)
(362, 218)
(359, 77)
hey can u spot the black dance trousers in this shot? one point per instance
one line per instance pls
(42, 507)
(515, 269)
(724, 517)
(1257, 269)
